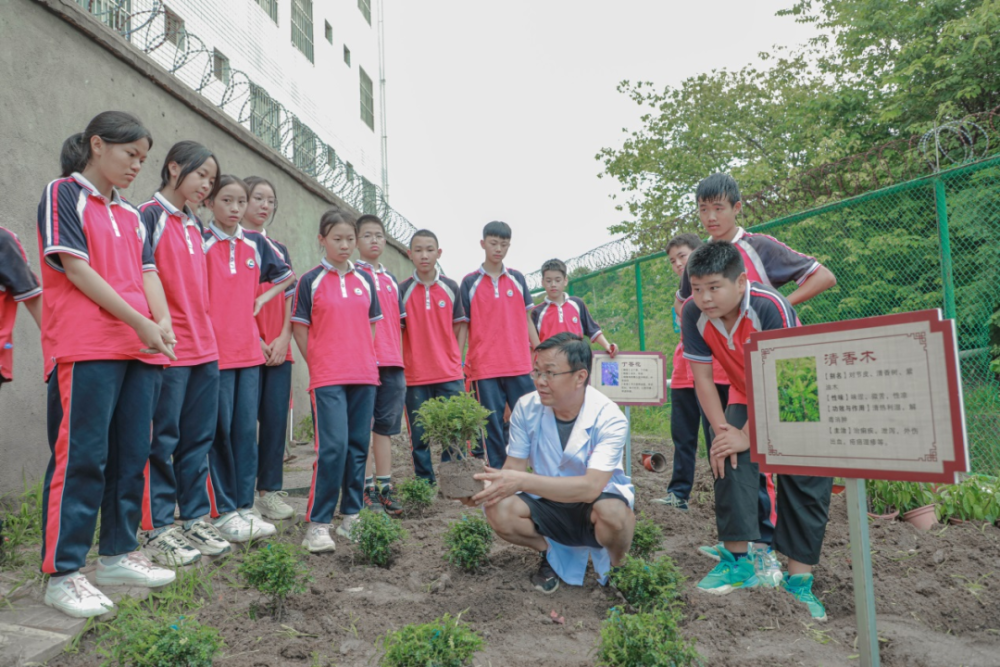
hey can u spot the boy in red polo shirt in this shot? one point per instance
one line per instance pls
(17, 285)
(433, 336)
(561, 312)
(498, 305)
(769, 262)
(389, 397)
(725, 309)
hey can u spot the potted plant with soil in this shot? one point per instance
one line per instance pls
(450, 424)
(916, 501)
(973, 499)
(880, 499)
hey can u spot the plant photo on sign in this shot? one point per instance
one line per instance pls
(450, 423)
(798, 390)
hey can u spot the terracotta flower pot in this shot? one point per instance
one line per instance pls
(889, 517)
(838, 489)
(923, 518)
(956, 521)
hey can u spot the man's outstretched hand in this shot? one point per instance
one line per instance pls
(500, 484)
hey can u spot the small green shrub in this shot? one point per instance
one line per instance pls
(416, 494)
(304, 431)
(468, 542)
(647, 538)
(451, 422)
(649, 639)
(276, 570)
(445, 642)
(21, 528)
(976, 498)
(375, 533)
(138, 638)
(648, 586)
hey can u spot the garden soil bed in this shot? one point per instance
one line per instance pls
(937, 597)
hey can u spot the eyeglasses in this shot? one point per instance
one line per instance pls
(369, 237)
(547, 375)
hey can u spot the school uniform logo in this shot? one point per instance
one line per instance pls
(250, 264)
(441, 303)
(357, 290)
(747, 341)
(510, 292)
(388, 287)
(575, 320)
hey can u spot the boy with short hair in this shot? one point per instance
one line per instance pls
(389, 396)
(434, 334)
(562, 312)
(769, 262)
(498, 307)
(725, 309)
(685, 411)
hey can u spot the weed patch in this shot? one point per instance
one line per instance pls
(140, 637)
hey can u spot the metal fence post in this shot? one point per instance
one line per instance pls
(947, 274)
(638, 301)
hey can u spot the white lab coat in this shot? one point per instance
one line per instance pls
(597, 441)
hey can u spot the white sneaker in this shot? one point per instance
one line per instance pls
(264, 528)
(75, 596)
(235, 528)
(317, 539)
(345, 528)
(272, 506)
(171, 549)
(204, 537)
(133, 570)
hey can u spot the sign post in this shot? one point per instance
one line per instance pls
(631, 378)
(876, 398)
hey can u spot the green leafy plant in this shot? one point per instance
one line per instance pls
(648, 585)
(451, 422)
(649, 639)
(879, 492)
(304, 431)
(468, 542)
(798, 390)
(885, 496)
(445, 642)
(138, 637)
(375, 534)
(647, 538)
(416, 494)
(976, 498)
(276, 570)
(21, 528)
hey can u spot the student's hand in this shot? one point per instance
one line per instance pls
(613, 350)
(279, 350)
(168, 331)
(266, 349)
(258, 303)
(500, 484)
(729, 441)
(468, 502)
(154, 339)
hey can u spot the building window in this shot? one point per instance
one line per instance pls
(366, 9)
(331, 157)
(174, 30)
(271, 8)
(349, 168)
(113, 13)
(265, 117)
(369, 197)
(367, 100)
(347, 55)
(303, 147)
(220, 66)
(329, 31)
(302, 27)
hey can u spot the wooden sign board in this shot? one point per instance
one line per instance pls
(876, 398)
(631, 378)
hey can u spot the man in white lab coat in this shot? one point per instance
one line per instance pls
(577, 502)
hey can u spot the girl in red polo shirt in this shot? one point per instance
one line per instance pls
(336, 308)
(274, 322)
(238, 261)
(106, 336)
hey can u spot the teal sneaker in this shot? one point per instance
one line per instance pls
(800, 586)
(729, 575)
(712, 552)
(766, 565)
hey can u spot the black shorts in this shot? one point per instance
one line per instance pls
(803, 504)
(389, 399)
(566, 523)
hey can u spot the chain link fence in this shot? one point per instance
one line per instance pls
(930, 242)
(151, 27)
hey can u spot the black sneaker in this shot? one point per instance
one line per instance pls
(389, 504)
(545, 580)
(372, 500)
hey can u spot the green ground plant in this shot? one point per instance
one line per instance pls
(649, 639)
(304, 431)
(647, 538)
(648, 586)
(886, 496)
(468, 542)
(21, 529)
(416, 494)
(138, 636)
(976, 498)
(276, 570)
(375, 534)
(445, 642)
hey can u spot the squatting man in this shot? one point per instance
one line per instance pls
(577, 503)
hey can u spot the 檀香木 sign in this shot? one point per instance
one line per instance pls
(876, 398)
(631, 378)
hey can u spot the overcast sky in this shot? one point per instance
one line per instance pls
(496, 109)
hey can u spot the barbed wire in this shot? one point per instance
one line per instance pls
(149, 28)
(611, 253)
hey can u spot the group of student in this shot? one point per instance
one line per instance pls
(167, 355)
